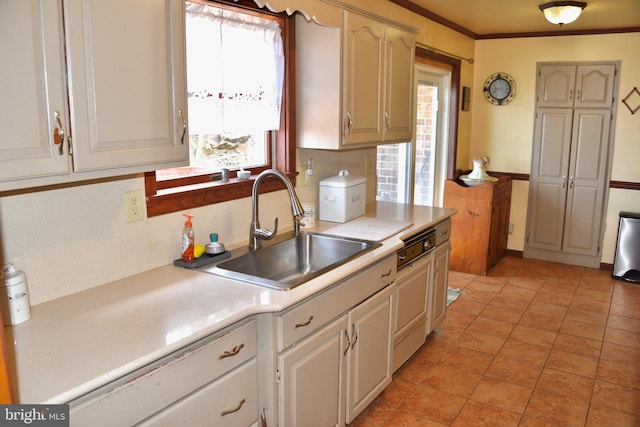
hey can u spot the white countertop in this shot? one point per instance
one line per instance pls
(78, 343)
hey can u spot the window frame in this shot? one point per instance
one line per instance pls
(183, 193)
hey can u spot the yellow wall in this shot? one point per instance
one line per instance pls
(505, 133)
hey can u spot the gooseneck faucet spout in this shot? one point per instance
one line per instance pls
(258, 234)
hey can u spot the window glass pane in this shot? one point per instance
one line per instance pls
(231, 106)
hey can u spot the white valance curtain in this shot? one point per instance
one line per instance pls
(235, 71)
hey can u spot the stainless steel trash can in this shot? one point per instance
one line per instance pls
(626, 265)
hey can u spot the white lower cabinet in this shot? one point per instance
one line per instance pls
(329, 375)
(230, 401)
(214, 380)
(439, 286)
(312, 380)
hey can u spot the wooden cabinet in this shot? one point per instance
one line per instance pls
(179, 387)
(332, 370)
(118, 91)
(359, 91)
(480, 229)
(570, 159)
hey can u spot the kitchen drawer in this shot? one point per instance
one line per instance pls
(230, 401)
(148, 390)
(443, 231)
(308, 316)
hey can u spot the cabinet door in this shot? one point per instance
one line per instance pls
(363, 79)
(552, 141)
(127, 85)
(311, 386)
(369, 365)
(32, 89)
(556, 85)
(398, 114)
(594, 86)
(587, 178)
(439, 288)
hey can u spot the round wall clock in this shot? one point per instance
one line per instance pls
(499, 89)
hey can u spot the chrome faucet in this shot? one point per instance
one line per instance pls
(258, 234)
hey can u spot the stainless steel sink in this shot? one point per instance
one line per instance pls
(289, 263)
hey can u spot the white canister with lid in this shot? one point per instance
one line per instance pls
(16, 307)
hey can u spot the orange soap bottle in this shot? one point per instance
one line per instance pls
(188, 240)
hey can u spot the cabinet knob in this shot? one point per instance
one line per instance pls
(58, 134)
(184, 125)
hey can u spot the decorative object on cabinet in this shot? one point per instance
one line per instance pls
(562, 12)
(627, 100)
(480, 229)
(479, 175)
(499, 89)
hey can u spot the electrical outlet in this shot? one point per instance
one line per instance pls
(133, 205)
(511, 227)
(303, 179)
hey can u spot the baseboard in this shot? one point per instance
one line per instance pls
(520, 254)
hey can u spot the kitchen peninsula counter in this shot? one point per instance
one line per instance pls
(75, 344)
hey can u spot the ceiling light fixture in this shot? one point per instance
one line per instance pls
(562, 12)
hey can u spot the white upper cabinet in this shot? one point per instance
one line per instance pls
(580, 86)
(122, 103)
(354, 84)
(32, 89)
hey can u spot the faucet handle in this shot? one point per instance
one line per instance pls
(265, 233)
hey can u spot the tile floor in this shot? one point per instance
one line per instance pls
(533, 343)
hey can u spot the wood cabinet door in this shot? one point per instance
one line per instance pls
(587, 178)
(127, 84)
(32, 88)
(369, 363)
(312, 378)
(594, 86)
(363, 79)
(556, 84)
(548, 182)
(398, 111)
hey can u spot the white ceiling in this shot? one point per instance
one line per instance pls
(484, 17)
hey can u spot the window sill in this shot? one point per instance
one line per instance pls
(196, 195)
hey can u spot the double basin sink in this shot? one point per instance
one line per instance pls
(292, 262)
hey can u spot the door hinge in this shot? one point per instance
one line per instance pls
(277, 376)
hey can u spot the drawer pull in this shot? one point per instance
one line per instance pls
(231, 411)
(301, 325)
(444, 233)
(228, 353)
(387, 274)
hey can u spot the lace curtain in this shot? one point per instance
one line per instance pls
(235, 66)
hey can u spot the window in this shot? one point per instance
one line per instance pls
(224, 90)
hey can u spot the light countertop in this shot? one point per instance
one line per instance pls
(75, 344)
